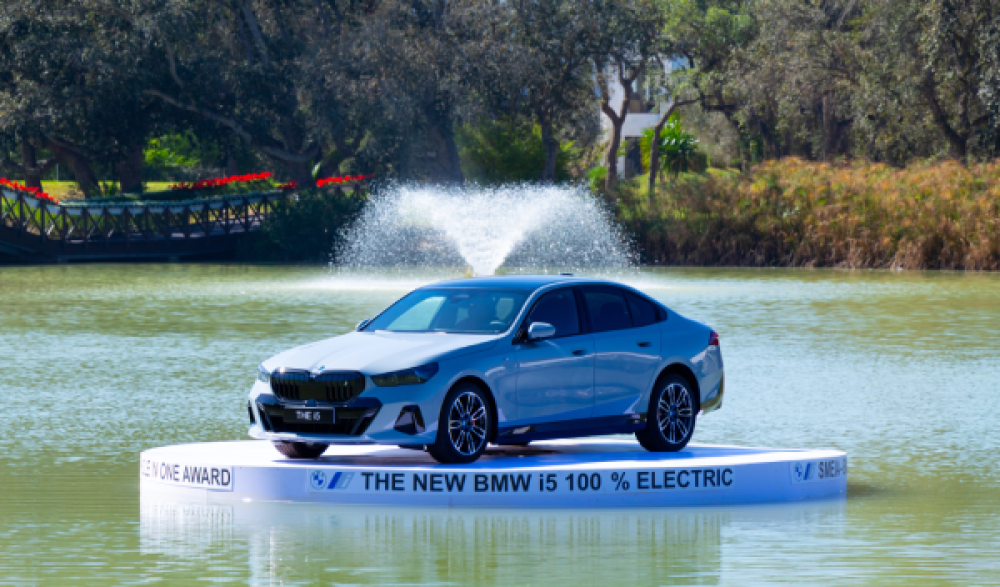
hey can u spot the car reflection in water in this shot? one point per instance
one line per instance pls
(291, 543)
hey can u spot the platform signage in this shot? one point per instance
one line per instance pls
(544, 482)
(187, 475)
(818, 470)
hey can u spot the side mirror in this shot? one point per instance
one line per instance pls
(362, 324)
(541, 331)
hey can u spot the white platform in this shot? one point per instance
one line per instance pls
(565, 473)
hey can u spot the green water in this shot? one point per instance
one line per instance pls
(102, 361)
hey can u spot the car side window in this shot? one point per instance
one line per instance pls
(643, 311)
(557, 308)
(607, 309)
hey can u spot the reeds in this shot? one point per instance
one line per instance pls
(797, 213)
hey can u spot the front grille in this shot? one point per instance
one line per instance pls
(332, 386)
(350, 422)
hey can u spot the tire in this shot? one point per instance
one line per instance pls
(300, 450)
(671, 418)
(464, 425)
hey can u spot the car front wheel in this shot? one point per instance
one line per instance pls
(301, 450)
(671, 417)
(464, 426)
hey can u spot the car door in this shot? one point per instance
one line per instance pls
(627, 346)
(555, 376)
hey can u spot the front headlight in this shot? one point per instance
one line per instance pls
(406, 376)
(263, 375)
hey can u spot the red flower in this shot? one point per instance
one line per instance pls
(205, 184)
(35, 192)
(343, 179)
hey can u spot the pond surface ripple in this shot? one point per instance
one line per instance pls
(103, 361)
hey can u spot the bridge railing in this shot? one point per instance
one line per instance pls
(34, 227)
(135, 220)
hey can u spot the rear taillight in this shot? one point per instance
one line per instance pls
(713, 339)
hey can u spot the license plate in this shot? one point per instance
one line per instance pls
(309, 415)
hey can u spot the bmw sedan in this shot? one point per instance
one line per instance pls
(455, 366)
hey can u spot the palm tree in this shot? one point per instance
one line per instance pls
(677, 148)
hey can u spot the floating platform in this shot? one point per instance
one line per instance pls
(591, 473)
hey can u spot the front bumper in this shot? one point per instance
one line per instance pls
(381, 415)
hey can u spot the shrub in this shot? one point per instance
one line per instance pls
(796, 213)
(303, 231)
(503, 152)
(678, 149)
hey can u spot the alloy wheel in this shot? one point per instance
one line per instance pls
(468, 423)
(675, 413)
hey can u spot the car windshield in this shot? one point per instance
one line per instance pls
(460, 311)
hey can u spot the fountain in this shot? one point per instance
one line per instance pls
(485, 228)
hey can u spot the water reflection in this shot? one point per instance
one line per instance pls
(292, 543)
(899, 369)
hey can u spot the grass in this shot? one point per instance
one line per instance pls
(68, 190)
(797, 213)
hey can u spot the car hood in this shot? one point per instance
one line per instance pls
(379, 352)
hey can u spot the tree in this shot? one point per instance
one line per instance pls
(941, 54)
(656, 144)
(555, 42)
(287, 77)
(69, 86)
(633, 39)
(709, 39)
(679, 148)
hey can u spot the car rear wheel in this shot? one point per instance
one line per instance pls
(464, 426)
(671, 417)
(301, 450)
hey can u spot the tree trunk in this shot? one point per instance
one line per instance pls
(78, 164)
(654, 147)
(301, 174)
(611, 157)
(550, 146)
(958, 141)
(654, 151)
(299, 168)
(129, 171)
(768, 137)
(29, 165)
(625, 79)
(831, 130)
(449, 166)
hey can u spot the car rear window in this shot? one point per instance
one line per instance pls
(607, 309)
(643, 311)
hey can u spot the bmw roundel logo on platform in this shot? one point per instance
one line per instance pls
(320, 480)
(317, 479)
(824, 470)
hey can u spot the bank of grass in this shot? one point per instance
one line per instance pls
(796, 213)
(68, 190)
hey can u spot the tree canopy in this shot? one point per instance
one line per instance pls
(306, 87)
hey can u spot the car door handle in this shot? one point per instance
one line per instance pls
(580, 352)
(645, 344)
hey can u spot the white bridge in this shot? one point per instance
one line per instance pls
(565, 473)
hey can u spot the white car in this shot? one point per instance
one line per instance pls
(455, 366)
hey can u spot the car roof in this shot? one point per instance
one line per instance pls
(518, 282)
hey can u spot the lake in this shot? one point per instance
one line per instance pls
(899, 369)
